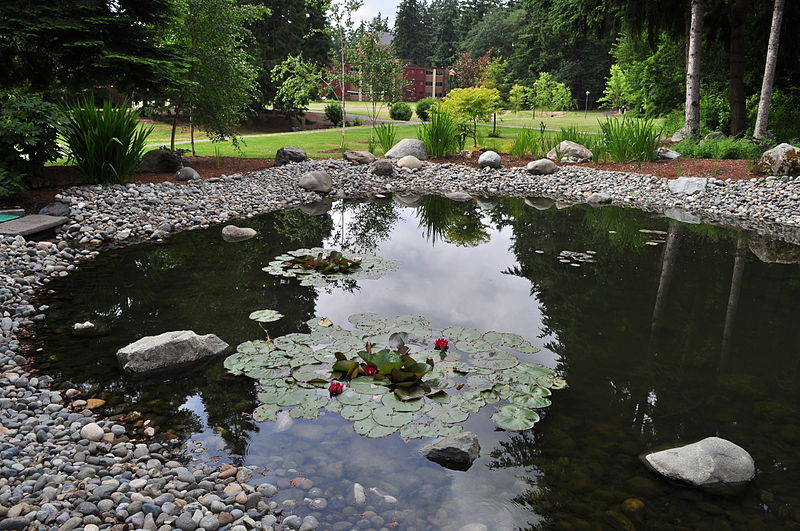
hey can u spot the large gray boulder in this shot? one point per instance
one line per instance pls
(568, 151)
(56, 208)
(233, 234)
(410, 162)
(316, 181)
(454, 451)
(382, 167)
(687, 185)
(783, 159)
(489, 159)
(169, 349)
(160, 161)
(408, 146)
(288, 154)
(359, 157)
(186, 174)
(665, 153)
(541, 167)
(712, 464)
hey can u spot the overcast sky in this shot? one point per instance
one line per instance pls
(372, 7)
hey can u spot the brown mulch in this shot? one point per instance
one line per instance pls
(56, 178)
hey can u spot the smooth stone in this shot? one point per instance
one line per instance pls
(598, 198)
(458, 196)
(409, 162)
(233, 234)
(382, 167)
(408, 146)
(541, 167)
(167, 350)
(92, 432)
(569, 151)
(687, 185)
(490, 159)
(316, 181)
(288, 154)
(456, 451)
(712, 463)
(358, 156)
(667, 154)
(186, 174)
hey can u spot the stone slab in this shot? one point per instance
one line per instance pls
(32, 224)
(13, 212)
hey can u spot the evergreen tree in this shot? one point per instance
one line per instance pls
(411, 35)
(443, 18)
(71, 46)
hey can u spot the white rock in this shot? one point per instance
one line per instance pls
(667, 154)
(687, 185)
(409, 161)
(408, 146)
(783, 159)
(569, 151)
(359, 495)
(458, 196)
(168, 349)
(92, 432)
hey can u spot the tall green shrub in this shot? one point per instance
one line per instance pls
(630, 139)
(107, 144)
(334, 113)
(28, 140)
(386, 134)
(400, 111)
(423, 108)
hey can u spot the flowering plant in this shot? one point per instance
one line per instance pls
(335, 388)
(396, 366)
(441, 344)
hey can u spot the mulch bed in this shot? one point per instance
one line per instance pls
(56, 178)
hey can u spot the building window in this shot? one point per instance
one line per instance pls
(428, 84)
(429, 72)
(438, 83)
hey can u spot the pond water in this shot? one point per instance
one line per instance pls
(675, 332)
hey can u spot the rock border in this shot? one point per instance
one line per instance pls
(85, 474)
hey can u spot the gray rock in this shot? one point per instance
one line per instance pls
(168, 349)
(160, 161)
(687, 185)
(712, 464)
(16, 523)
(667, 154)
(714, 135)
(455, 451)
(682, 215)
(209, 522)
(599, 198)
(783, 159)
(541, 167)
(382, 167)
(678, 135)
(569, 151)
(92, 432)
(359, 157)
(292, 522)
(408, 146)
(317, 209)
(410, 162)
(288, 154)
(540, 203)
(186, 174)
(185, 522)
(232, 233)
(489, 159)
(316, 181)
(56, 208)
(458, 196)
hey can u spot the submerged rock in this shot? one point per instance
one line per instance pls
(458, 196)
(233, 234)
(167, 350)
(772, 250)
(455, 451)
(712, 464)
(540, 203)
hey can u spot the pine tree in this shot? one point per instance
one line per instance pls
(443, 15)
(410, 32)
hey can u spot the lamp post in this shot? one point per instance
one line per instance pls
(535, 84)
(586, 108)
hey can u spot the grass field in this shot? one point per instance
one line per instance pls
(325, 143)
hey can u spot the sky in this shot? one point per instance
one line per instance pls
(372, 7)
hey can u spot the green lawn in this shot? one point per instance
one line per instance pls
(325, 143)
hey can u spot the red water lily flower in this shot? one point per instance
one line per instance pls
(335, 388)
(369, 370)
(441, 344)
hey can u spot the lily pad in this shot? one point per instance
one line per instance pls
(369, 428)
(368, 385)
(296, 397)
(514, 418)
(429, 429)
(386, 416)
(529, 401)
(447, 414)
(391, 401)
(266, 412)
(265, 316)
(368, 321)
(351, 398)
(357, 412)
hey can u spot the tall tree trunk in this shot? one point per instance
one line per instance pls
(191, 133)
(736, 47)
(692, 127)
(669, 258)
(175, 119)
(769, 71)
(733, 297)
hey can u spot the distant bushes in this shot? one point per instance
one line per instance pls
(423, 108)
(400, 111)
(334, 113)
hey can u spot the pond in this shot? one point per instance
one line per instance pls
(666, 333)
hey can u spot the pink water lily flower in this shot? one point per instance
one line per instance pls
(335, 388)
(369, 370)
(441, 344)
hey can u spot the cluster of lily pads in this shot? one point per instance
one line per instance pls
(295, 372)
(319, 267)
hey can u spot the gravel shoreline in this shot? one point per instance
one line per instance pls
(61, 467)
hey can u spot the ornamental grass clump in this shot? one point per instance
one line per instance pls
(629, 139)
(107, 144)
(442, 135)
(386, 133)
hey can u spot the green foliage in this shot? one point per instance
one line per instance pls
(107, 144)
(552, 95)
(520, 97)
(298, 80)
(400, 111)
(629, 139)
(319, 267)
(334, 113)
(533, 142)
(327, 264)
(784, 114)
(673, 121)
(28, 139)
(617, 92)
(472, 105)
(424, 106)
(386, 133)
(718, 148)
(715, 111)
(442, 135)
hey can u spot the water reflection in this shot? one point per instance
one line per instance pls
(677, 331)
